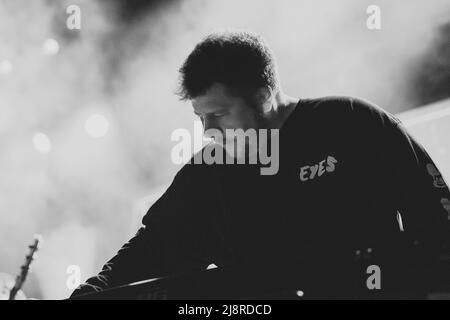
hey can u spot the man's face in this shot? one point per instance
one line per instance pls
(219, 109)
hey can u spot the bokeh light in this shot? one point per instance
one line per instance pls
(50, 47)
(5, 66)
(42, 142)
(97, 126)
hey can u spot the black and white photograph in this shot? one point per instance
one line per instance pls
(224, 154)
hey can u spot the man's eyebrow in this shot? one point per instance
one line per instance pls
(212, 112)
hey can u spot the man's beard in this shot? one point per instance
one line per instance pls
(241, 148)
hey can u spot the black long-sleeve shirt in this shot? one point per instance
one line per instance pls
(353, 186)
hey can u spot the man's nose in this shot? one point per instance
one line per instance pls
(209, 124)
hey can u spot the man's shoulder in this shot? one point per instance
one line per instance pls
(197, 169)
(342, 110)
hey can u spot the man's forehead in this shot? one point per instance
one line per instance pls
(215, 98)
(208, 104)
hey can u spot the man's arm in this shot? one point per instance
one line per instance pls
(419, 191)
(137, 258)
(169, 241)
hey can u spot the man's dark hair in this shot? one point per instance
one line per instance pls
(240, 60)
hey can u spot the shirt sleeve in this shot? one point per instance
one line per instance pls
(172, 239)
(138, 259)
(418, 190)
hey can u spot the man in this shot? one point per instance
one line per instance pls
(353, 188)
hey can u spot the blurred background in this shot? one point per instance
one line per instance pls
(86, 115)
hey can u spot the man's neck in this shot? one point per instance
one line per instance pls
(282, 108)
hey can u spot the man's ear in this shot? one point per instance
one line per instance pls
(264, 98)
